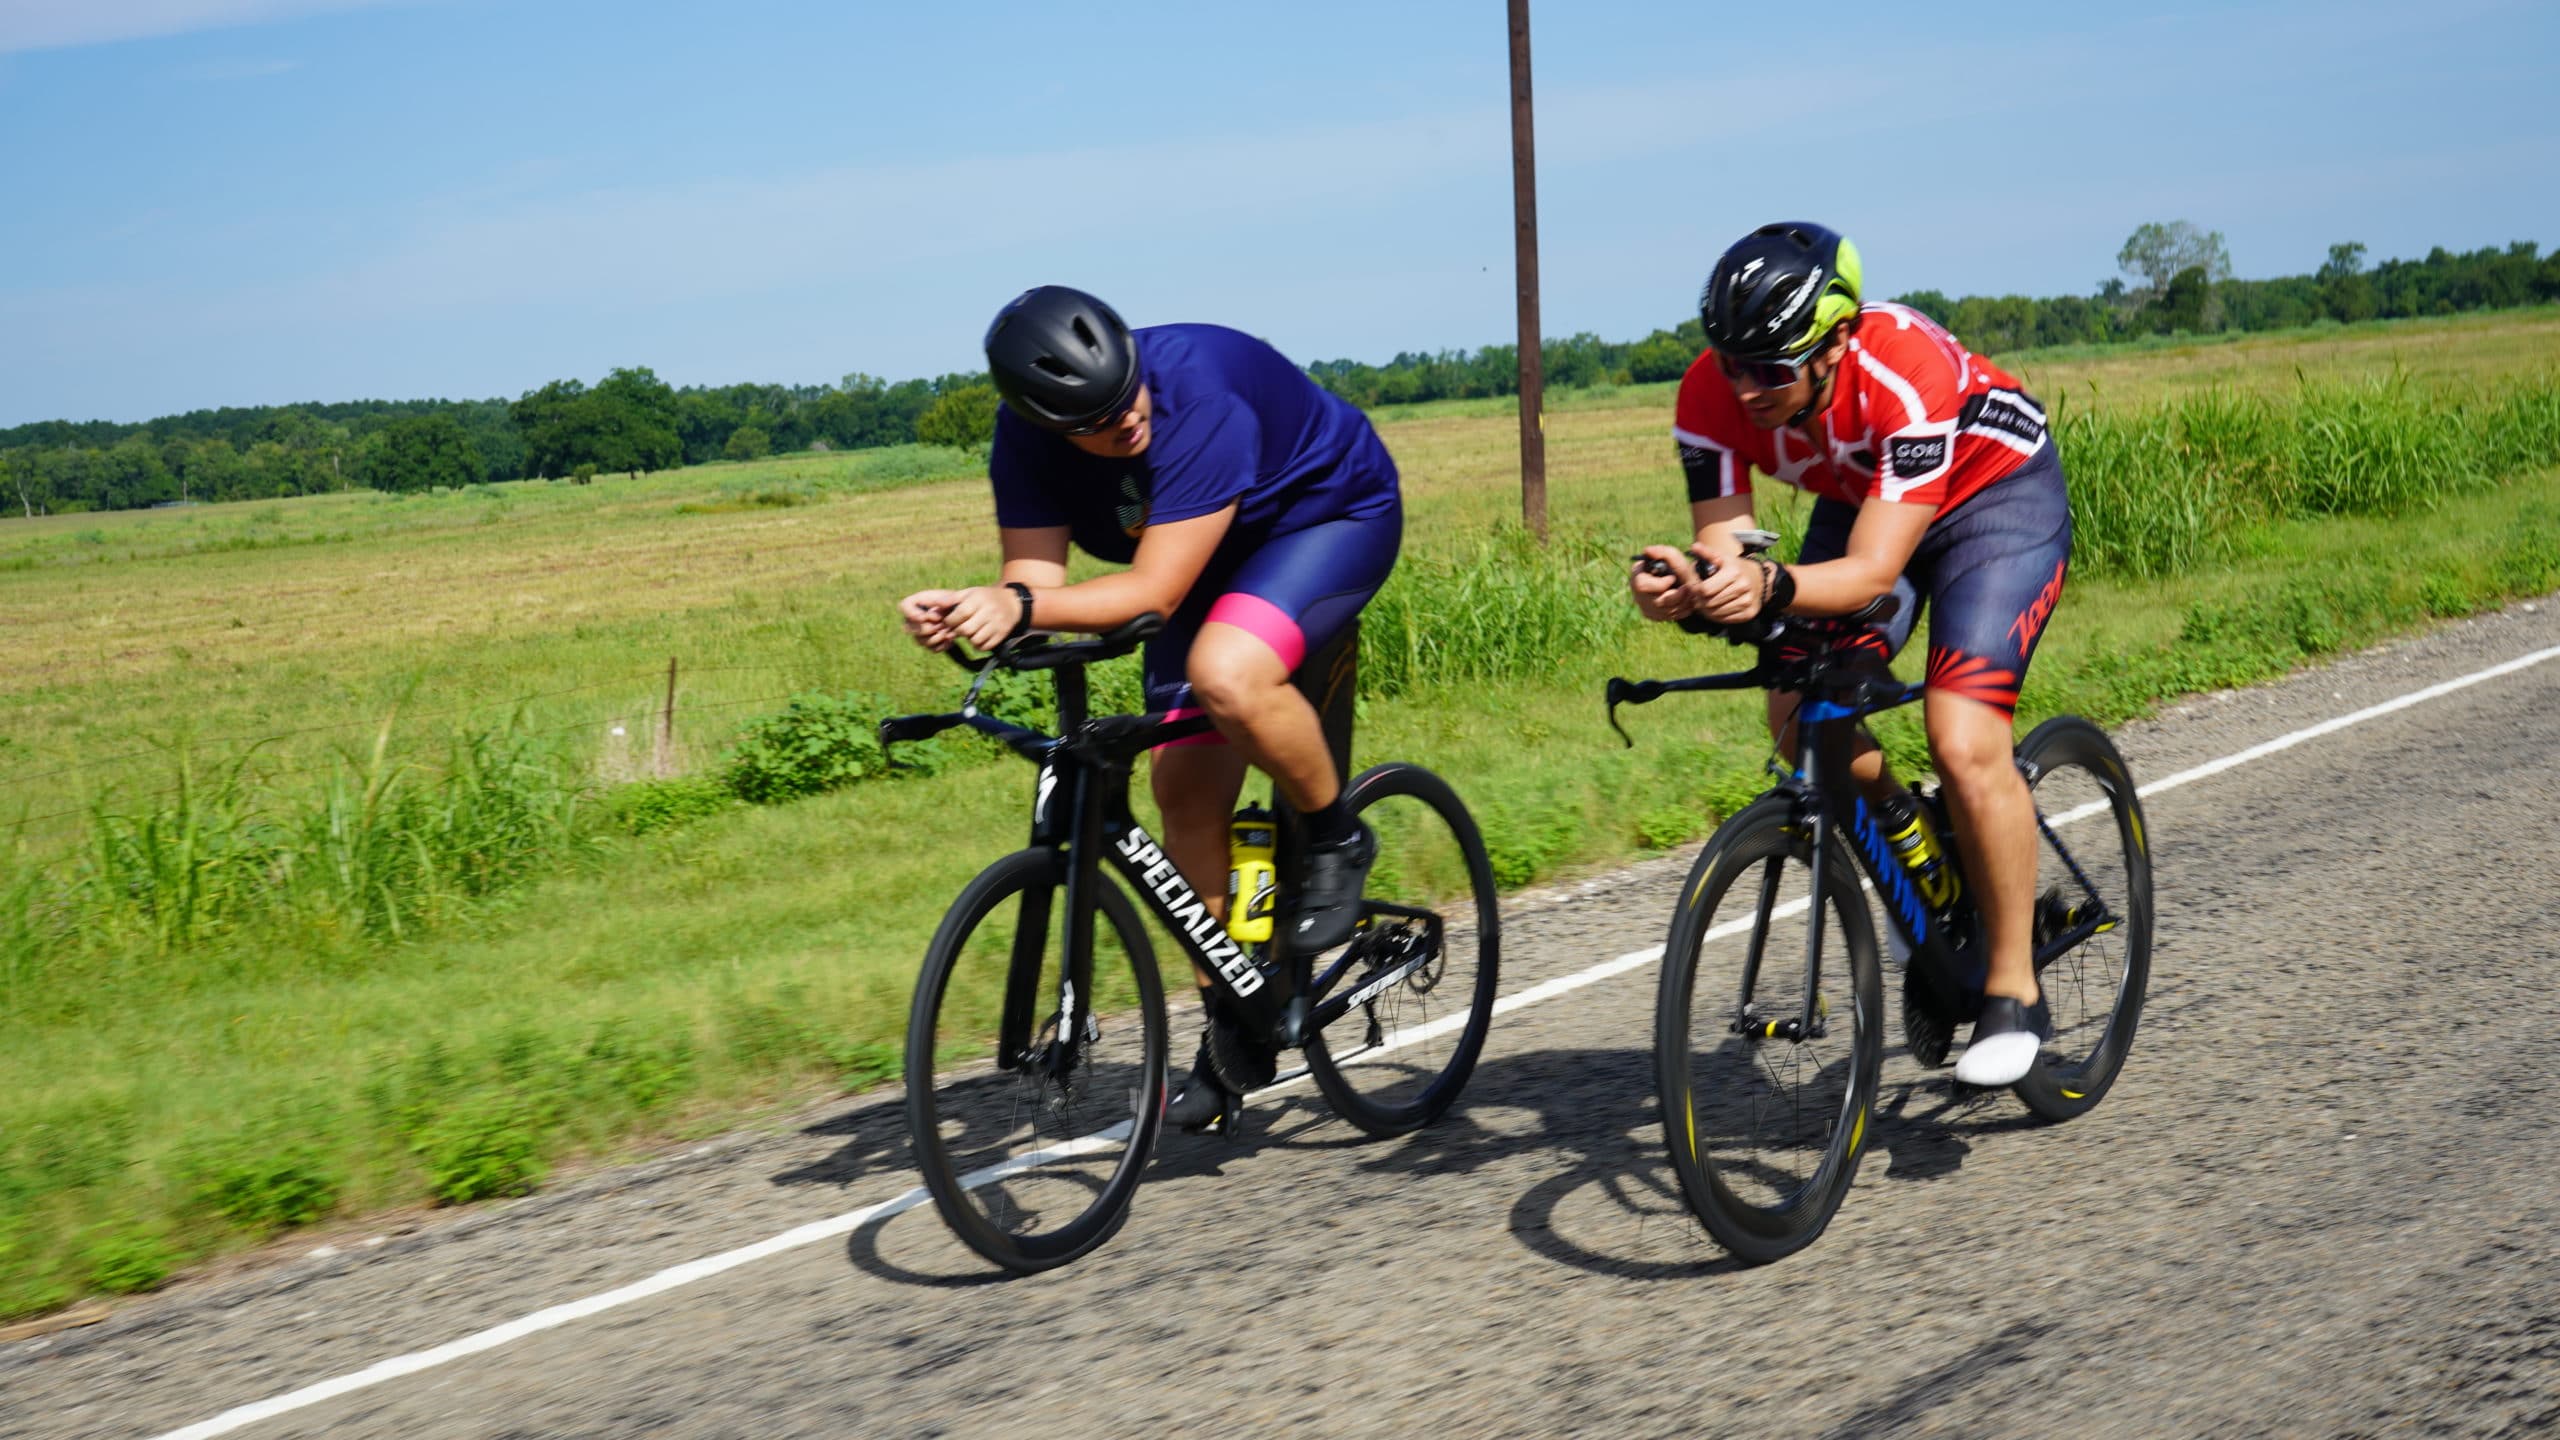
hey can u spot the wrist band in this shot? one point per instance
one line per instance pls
(1021, 592)
(1777, 588)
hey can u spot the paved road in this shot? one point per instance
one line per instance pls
(2323, 1200)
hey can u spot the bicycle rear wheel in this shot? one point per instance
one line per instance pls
(2093, 886)
(1766, 1117)
(1033, 1150)
(1424, 960)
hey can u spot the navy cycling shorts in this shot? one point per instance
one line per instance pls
(1990, 575)
(1294, 592)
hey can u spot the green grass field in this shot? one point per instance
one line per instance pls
(165, 1100)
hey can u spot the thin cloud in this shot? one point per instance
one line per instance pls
(60, 24)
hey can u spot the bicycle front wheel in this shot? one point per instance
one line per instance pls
(1031, 1133)
(2093, 908)
(1423, 963)
(1765, 1083)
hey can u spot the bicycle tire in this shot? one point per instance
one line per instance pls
(2071, 755)
(1416, 1094)
(982, 1094)
(1708, 1097)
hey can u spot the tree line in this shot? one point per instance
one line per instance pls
(2175, 279)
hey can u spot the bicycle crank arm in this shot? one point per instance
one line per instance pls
(1792, 1030)
(1368, 990)
(2069, 940)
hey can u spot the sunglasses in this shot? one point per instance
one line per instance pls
(1766, 374)
(1107, 422)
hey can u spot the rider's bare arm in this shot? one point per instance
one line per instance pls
(1717, 521)
(1169, 561)
(1880, 546)
(1036, 557)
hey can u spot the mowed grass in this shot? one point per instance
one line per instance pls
(660, 984)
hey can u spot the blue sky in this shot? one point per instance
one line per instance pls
(261, 201)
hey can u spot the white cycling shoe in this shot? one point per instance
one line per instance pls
(2005, 1042)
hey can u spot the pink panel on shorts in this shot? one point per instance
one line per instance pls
(1205, 737)
(1265, 622)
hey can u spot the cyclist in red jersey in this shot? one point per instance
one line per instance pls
(1935, 477)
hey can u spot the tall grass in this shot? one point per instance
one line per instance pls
(380, 847)
(2166, 489)
(1504, 609)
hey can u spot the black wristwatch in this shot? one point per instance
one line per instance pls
(1021, 592)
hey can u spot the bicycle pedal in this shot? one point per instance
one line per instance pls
(1928, 1037)
(1229, 1123)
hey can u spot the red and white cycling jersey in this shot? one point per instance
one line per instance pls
(1914, 418)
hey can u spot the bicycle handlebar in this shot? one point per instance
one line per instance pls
(1760, 628)
(1041, 650)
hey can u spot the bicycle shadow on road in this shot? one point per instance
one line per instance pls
(1586, 1120)
(1596, 1111)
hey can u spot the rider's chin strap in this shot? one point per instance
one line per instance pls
(1822, 392)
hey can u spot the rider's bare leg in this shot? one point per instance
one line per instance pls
(1246, 690)
(1866, 760)
(1995, 822)
(1196, 787)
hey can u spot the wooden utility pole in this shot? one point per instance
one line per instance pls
(664, 761)
(1524, 218)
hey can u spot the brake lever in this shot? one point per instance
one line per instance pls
(1629, 692)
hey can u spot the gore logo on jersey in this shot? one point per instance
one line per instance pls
(1911, 456)
(1698, 457)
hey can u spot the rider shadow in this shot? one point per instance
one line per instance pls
(875, 1133)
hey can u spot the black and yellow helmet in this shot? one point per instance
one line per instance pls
(1778, 290)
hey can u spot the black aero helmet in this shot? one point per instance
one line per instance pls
(1062, 359)
(1779, 290)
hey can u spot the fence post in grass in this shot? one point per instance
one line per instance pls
(664, 761)
(1524, 221)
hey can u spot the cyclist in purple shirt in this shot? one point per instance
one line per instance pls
(1255, 511)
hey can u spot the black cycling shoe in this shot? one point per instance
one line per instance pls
(1204, 1103)
(2005, 1042)
(1231, 1062)
(1327, 904)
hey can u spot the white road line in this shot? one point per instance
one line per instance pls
(852, 1220)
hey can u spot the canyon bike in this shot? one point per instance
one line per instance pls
(1767, 1065)
(1036, 1044)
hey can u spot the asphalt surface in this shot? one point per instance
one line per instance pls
(2323, 1199)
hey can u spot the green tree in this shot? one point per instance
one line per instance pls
(2346, 292)
(963, 418)
(746, 443)
(2183, 305)
(419, 452)
(627, 423)
(1659, 356)
(2156, 253)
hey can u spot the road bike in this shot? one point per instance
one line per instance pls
(1767, 1072)
(1036, 1044)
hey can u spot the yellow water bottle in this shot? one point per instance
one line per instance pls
(1253, 881)
(1907, 829)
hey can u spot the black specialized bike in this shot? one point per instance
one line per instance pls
(1036, 1045)
(1768, 1023)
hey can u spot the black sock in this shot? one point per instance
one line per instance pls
(1331, 825)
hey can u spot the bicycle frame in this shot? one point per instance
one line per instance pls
(1080, 809)
(1835, 701)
